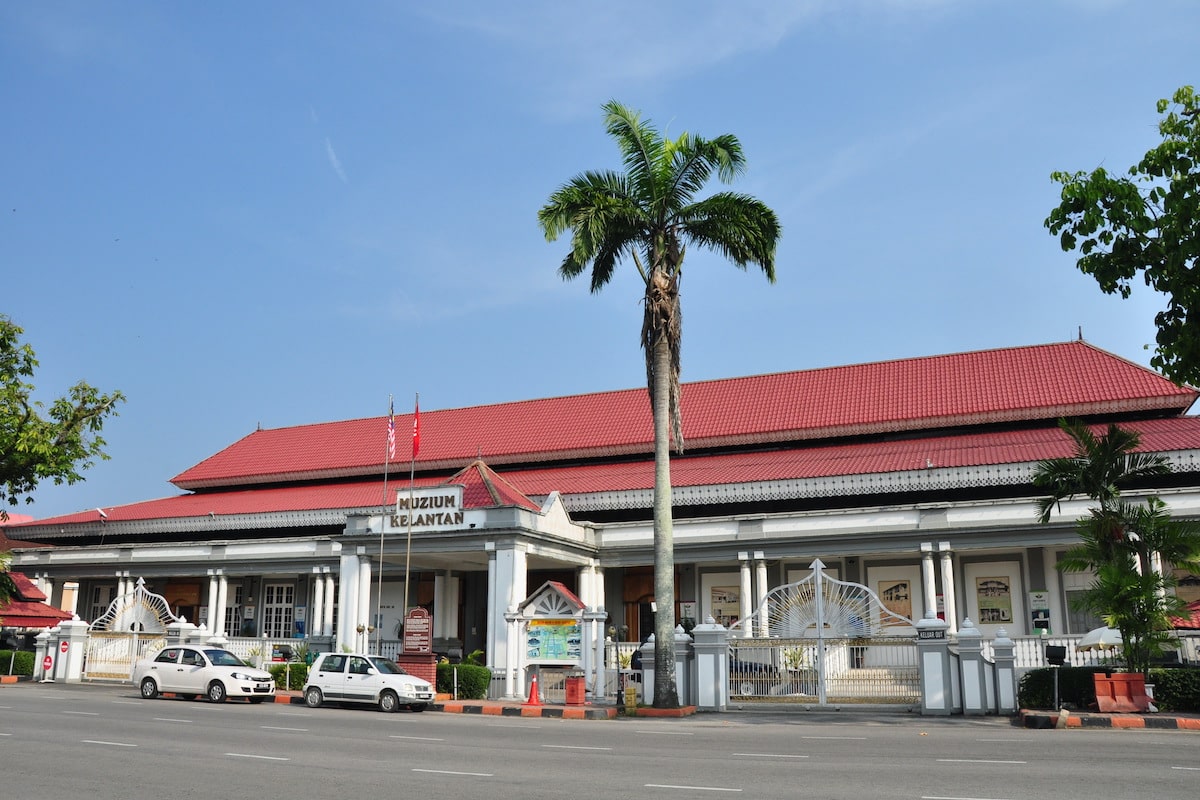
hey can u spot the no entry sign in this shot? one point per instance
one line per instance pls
(62, 646)
(47, 663)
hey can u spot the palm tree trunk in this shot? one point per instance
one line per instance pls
(666, 694)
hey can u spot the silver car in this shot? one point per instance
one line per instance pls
(191, 671)
(362, 678)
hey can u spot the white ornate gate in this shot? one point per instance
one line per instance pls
(824, 640)
(131, 628)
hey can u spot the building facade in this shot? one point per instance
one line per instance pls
(912, 477)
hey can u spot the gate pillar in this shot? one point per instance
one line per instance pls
(1006, 674)
(974, 685)
(40, 673)
(711, 643)
(933, 657)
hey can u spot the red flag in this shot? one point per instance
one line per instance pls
(416, 428)
(391, 430)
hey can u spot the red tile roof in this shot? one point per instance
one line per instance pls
(27, 609)
(1016, 384)
(516, 486)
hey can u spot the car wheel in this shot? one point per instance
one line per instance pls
(417, 708)
(389, 702)
(313, 697)
(216, 692)
(149, 688)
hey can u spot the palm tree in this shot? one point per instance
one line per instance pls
(650, 213)
(1123, 544)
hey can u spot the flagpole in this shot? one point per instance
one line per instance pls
(412, 469)
(389, 450)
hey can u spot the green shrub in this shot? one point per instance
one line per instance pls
(298, 675)
(473, 680)
(1174, 689)
(21, 665)
(1076, 688)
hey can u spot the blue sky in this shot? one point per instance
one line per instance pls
(281, 213)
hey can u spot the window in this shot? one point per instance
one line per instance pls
(278, 603)
(101, 599)
(233, 613)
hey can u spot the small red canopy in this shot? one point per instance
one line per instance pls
(28, 609)
(1191, 620)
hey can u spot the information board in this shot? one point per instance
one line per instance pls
(554, 641)
(418, 631)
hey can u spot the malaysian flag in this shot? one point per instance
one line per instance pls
(391, 430)
(416, 427)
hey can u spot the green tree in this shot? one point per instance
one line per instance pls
(7, 589)
(1128, 547)
(1148, 223)
(650, 214)
(36, 443)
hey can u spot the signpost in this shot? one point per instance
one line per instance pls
(63, 645)
(418, 632)
(47, 662)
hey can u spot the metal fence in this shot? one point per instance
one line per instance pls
(879, 670)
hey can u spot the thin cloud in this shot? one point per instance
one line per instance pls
(334, 161)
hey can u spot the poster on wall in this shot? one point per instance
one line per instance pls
(896, 596)
(994, 597)
(726, 604)
(554, 640)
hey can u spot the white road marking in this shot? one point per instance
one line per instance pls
(691, 788)
(170, 719)
(278, 728)
(84, 713)
(417, 738)
(113, 744)
(126, 703)
(5, 734)
(978, 761)
(838, 738)
(1190, 769)
(769, 755)
(264, 758)
(574, 747)
(938, 797)
(451, 772)
(667, 733)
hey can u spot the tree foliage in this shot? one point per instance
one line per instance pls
(38, 443)
(1147, 222)
(1128, 547)
(650, 213)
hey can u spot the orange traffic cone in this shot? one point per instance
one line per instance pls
(533, 700)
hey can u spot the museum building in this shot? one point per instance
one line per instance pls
(912, 477)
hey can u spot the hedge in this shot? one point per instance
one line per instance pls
(298, 675)
(473, 680)
(21, 665)
(1176, 689)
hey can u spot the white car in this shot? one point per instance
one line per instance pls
(361, 678)
(193, 670)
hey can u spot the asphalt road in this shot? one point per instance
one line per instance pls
(105, 742)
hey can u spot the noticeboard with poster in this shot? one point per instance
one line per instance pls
(994, 597)
(554, 641)
(726, 603)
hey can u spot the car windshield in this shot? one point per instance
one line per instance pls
(224, 658)
(386, 667)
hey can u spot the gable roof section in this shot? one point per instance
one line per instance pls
(483, 488)
(28, 609)
(1043, 382)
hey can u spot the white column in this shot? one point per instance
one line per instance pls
(347, 601)
(450, 625)
(492, 633)
(760, 593)
(317, 614)
(1156, 565)
(222, 603)
(211, 626)
(511, 588)
(439, 604)
(364, 601)
(598, 600)
(48, 589)
(744, 609)
(1058, 617)
(948, 586)
(70, 597)
(327, 620)
(927, 579)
